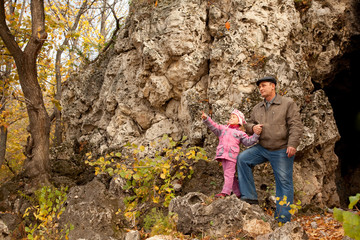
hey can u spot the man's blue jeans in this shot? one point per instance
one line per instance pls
(282, 167)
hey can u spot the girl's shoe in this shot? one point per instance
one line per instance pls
(221, 195)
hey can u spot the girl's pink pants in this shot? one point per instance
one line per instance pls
(231, 183)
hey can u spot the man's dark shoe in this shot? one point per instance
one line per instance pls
(251, 201)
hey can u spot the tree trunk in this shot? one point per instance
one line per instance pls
(37, 151)
(3, 139)
(57, 111)
(103, 19)
(3, 129)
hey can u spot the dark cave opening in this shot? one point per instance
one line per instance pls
(342, 92)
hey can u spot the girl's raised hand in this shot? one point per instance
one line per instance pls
(203, 115)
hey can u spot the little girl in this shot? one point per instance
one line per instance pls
(230, 136)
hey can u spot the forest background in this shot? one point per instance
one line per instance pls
(73, 33)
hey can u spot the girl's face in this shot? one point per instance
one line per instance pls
(233, 119)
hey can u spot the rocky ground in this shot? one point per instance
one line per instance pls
(316, 226)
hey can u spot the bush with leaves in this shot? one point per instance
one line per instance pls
(47, 213)
(350, 219)
(150, 176)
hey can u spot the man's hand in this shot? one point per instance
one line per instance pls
(290, 151)
(257, 129)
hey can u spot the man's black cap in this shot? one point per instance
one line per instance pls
(266, 79)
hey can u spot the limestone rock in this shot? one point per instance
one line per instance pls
(290, 231)
(161, 237)
(256, 227)
(4, 231)
(172, 62)
(132, 235)
(218, 218)
(91, 209)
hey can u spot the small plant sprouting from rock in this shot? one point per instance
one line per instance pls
(282, 92)
(258, 61)
(294, 208)
(160, 224)
(350, 219)
(150, 178)
(302, 5)
(50, 206)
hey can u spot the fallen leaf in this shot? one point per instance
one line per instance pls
(227, 25)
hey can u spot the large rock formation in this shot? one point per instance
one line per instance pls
(175, 59)
(220, 217)
(223, 217)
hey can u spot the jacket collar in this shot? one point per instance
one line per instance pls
(277, 100)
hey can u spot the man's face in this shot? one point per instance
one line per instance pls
(266, 88)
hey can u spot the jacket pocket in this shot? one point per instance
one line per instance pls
(219, 150)
(233, 152)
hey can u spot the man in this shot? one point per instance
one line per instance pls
(278, 120)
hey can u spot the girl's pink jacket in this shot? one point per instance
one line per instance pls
(229, 140)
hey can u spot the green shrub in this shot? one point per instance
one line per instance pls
(150, 178)
(47, 213)
(350, 220)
